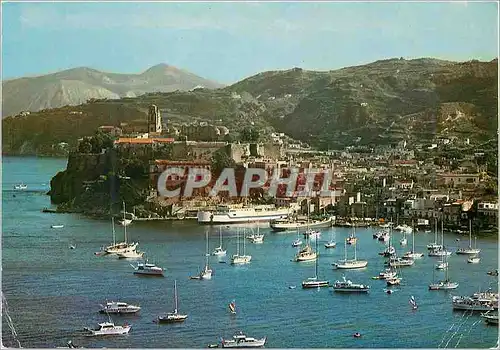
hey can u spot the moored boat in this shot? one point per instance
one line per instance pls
(118, 307)
(240, 340)
(347, 286)
(147, 269)
(227, 214)
(108, 328)
(175, 316)
(292, 224)
(490, 318)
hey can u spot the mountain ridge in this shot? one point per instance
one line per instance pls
(25, 93)
(380, 102)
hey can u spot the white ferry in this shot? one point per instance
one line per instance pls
(286, 225)
(228, 214)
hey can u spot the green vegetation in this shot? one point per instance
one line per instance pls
(377, 103)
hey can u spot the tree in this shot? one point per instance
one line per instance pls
(221, 160)
(249, 135)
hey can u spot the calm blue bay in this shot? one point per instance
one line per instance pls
(53, 292)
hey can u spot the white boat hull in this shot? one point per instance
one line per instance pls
(241, 259)
(351, 290)
(117, 330)
(257, 343)
(288, 226)
(207, 217)
(358, 264)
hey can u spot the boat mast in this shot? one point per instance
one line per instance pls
(435, 230)
(238, 241)
(470, 234)
(345, 250)
(206, 254)
(244, 243)
(124, 223)
(175, 295)
(113, 228)
(412, 237)
(316, 266)
(220, 236)
(355, 244)
(442, 234)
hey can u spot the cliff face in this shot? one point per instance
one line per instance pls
(92, 184)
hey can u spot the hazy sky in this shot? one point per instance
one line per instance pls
(230, 41)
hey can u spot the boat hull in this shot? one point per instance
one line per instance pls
(258, 343)
(176, 319)
(351, 265)
(351, 290)
(148, 273)
(207, 217)
(289, 226)
(115, 331)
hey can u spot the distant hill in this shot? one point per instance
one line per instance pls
(381, 102)
(76, 86)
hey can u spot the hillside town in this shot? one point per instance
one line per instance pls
(451, 180)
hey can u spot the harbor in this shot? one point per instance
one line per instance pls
(54, 291)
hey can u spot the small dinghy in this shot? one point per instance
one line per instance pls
(57, 226)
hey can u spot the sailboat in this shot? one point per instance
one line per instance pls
(413, 303)
(350, 264)
(258, 237)
(121, 247)
(298, 241)
(206, 273)
(440, 251)
(352, 239)
(315, 282)
(412, 254)
(445, 284)
(238, 259)
(219, 251)
(232, 307)
(469, 250)
(173, 317)
(306, 253)
(331, 243)
(435, 245)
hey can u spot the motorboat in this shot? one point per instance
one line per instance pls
(403, 241)
(57, 226)
(443, 285)
(175, 316)
(490, 318)
(20, 187)
(108, 328)
(297, 242)
(474, 259)
(240, 340)
(434, 246)
(130, 254)
(312, 234)
(147, 269)
(348, 286)
(492, 273)
(118, 307)
(385, 237)
(473, 304)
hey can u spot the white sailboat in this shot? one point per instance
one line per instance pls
(412, 254)
(121, 247)
(403, 241)
(440, 251)
(445, 284)
(206, 273)
(315, 282)
(238, 259)
(469, 250)
(130, 254)
(435, 245)
(258, 237)
(175, 316)
(219, 251)
(306, 253)
(350, 264)
(474, 259)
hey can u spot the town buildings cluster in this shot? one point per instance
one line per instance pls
(389, 182)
